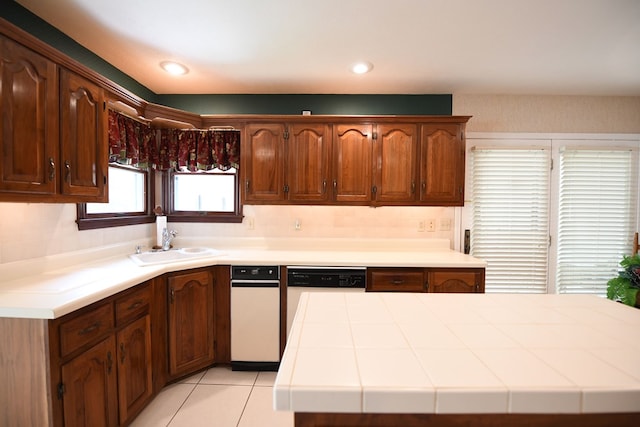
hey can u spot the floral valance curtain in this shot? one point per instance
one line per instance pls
(137, 144)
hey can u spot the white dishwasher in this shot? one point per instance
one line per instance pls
(255, 318)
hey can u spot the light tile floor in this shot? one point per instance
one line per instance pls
(218, 397)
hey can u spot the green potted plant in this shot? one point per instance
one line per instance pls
(626, 286)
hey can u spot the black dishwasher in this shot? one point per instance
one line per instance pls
(302, 279)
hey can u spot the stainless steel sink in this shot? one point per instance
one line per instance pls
(174, 255)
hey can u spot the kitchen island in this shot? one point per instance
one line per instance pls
(461, 359)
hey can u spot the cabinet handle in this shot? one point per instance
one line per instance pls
(426, 286)
(335, 186)
(89, 329)
(52, 169)
(246, 186)
(135, 305)
(109, 362)
(67, 167)
(424, 186)
(173, 295)
(324, 186)
(397, 282)
(413, 187)
(122, 353)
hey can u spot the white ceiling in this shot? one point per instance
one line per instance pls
(568, 47)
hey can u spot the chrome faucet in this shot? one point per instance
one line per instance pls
(167, 237)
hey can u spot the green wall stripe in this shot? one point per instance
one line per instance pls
(316, 103)
(27, 21)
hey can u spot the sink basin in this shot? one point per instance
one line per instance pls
(197, 250)
(174, 255)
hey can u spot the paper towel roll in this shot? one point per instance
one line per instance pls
(161, 224)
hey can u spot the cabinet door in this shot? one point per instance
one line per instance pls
(395, 279)
(352, 163)
(456, 280)
(89, 382)
(83, 138)
(442, 164)
(191, 325)
(135, 386)
(29, 125)
(395, 157)
(263, 163)
(307, 166)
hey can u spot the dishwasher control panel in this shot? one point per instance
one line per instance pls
(255, 272)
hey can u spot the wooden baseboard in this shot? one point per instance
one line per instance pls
(457, 420)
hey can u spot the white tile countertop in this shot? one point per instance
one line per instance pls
(51, 287)
(460, 354)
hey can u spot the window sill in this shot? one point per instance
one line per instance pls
(95, 223)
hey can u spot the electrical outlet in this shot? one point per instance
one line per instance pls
(298, 225)
(445, 224)
(422, 225)
(431, 225)
(251, 224)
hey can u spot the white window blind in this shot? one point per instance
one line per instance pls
(596, 216)
(511, 217)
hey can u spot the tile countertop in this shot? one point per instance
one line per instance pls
(460, 353)
(51, 287)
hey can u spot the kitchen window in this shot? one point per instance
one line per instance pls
(130, 200)
(204, 196)
(552, 215)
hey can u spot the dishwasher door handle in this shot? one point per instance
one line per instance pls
(255, 284)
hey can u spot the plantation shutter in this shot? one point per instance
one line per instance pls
(511, 217)
(596, 216)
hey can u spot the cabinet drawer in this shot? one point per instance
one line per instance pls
(85, 328)
(133, 305)
(395, 280)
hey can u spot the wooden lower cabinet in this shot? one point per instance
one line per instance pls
(456, 280)
(102, 364)
(191, 322)
(449, 280)
(396, 279)
(88, 387)
(101, 357)
(135, 375)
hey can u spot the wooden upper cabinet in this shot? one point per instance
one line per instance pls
(307, 165)
(83, 138)
(262, 163)
(352, 163)
(442, 164)
(395, 156)
(29, 125)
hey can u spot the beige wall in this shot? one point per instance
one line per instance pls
(39, 230)
(553, 114)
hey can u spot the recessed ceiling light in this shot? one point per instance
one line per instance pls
(174, 68)
(362, 67)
